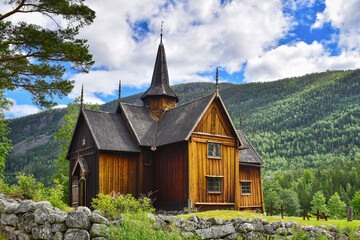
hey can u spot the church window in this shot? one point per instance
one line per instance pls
(147, 158)
(214, 150)
(214, 184)
(245, 188)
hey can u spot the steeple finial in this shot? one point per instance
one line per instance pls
(119, 90)
(162, 24)
(217, 81)
(82, 97)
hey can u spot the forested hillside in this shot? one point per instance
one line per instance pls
(296, 123)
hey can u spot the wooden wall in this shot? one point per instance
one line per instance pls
(157, 105)
(213, 127)
(170, 175)
(89, 153)
(117, 172)
(145, 173)
(255, 200)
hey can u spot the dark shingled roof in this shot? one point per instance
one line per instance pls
(160, 79)
(177, 123)
(142, 124)
(247, 153)
(110, 131)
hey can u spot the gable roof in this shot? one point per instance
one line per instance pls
(160, 79)
(247, 153)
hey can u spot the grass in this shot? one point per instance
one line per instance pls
(227, 215)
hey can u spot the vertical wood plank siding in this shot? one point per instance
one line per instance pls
(89, 153)
(252, 174)
(213, 127)
(170, 176)
(117, 172)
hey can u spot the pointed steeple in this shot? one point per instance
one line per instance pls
(217, 82)
(119, 90)
(82, 97)
(160, 79)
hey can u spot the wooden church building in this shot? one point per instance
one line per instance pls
(188, 154)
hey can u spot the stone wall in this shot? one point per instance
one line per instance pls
(25, 220)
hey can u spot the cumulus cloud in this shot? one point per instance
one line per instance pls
(296, 60)
(198, 37)
(345, 16)
(20, 110)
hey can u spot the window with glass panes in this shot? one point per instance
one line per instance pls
(245, 187)
(214, 150)
(214, 185)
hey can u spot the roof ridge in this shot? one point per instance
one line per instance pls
(99, 111)
(198, 99)
(133, 105)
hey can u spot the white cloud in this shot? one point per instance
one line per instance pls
(21, 110)
(296, 60)
(198, 37)
(345, 16)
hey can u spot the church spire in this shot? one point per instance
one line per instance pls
(119, 90)
(217, 82)
(82, 97)
(160, 79)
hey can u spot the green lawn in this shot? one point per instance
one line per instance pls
(227, 215)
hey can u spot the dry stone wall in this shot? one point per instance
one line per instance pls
(25, 220)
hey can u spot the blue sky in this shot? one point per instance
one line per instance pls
(249, 40)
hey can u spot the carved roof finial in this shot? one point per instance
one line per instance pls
(217, 81)
(82, 97)
(119, 90)
(162, 24)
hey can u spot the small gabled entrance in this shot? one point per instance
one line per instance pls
(79, 174)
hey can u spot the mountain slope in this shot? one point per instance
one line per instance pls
(293, 123)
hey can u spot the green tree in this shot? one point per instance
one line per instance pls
(337, 208)
(64, 136)
(33, 57)
(271, 189)
(319, 202)
(5, 143)
(355, 203)
(290, 202)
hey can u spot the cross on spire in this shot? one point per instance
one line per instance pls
(82, 97)
(161, 33)
(217, 81)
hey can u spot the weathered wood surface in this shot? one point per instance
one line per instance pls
(117, 172)
(252, 174)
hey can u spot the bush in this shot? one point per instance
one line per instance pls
(28, 186)
(115, 204)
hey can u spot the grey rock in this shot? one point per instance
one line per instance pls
(35, 205)
(290, 224)
(24, 236)
(10, 232)
(265, 222)
(58, 236)
(24, 206)
(99, 238)
(250, 220)
(187, 234)
(26, 222)
(98, 230)
(85, 210)
(177, 221)
(11, 208)
(238, 220)
(193, 218)
(97, 218)
(277, 224)
(258, 227)
(77, 219)
(322, 227)
(290, 231)
(254, 236)
(203, 224)
(42, 231)
(308, 228)
(268, 229)
(9, 219)
(40, 215)
(188, 226)
(332, 228)
(204, 233)
(244, 228)
(220, 231)
(258, 220)
(234, 236)
(56, 216)
(216, 221)
(76, 234)
(58, 227)
(3, 203)
(282, 231)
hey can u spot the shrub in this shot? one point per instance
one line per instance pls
(115, 204)
(27, 185)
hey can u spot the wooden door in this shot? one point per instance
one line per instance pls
(75, 191)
